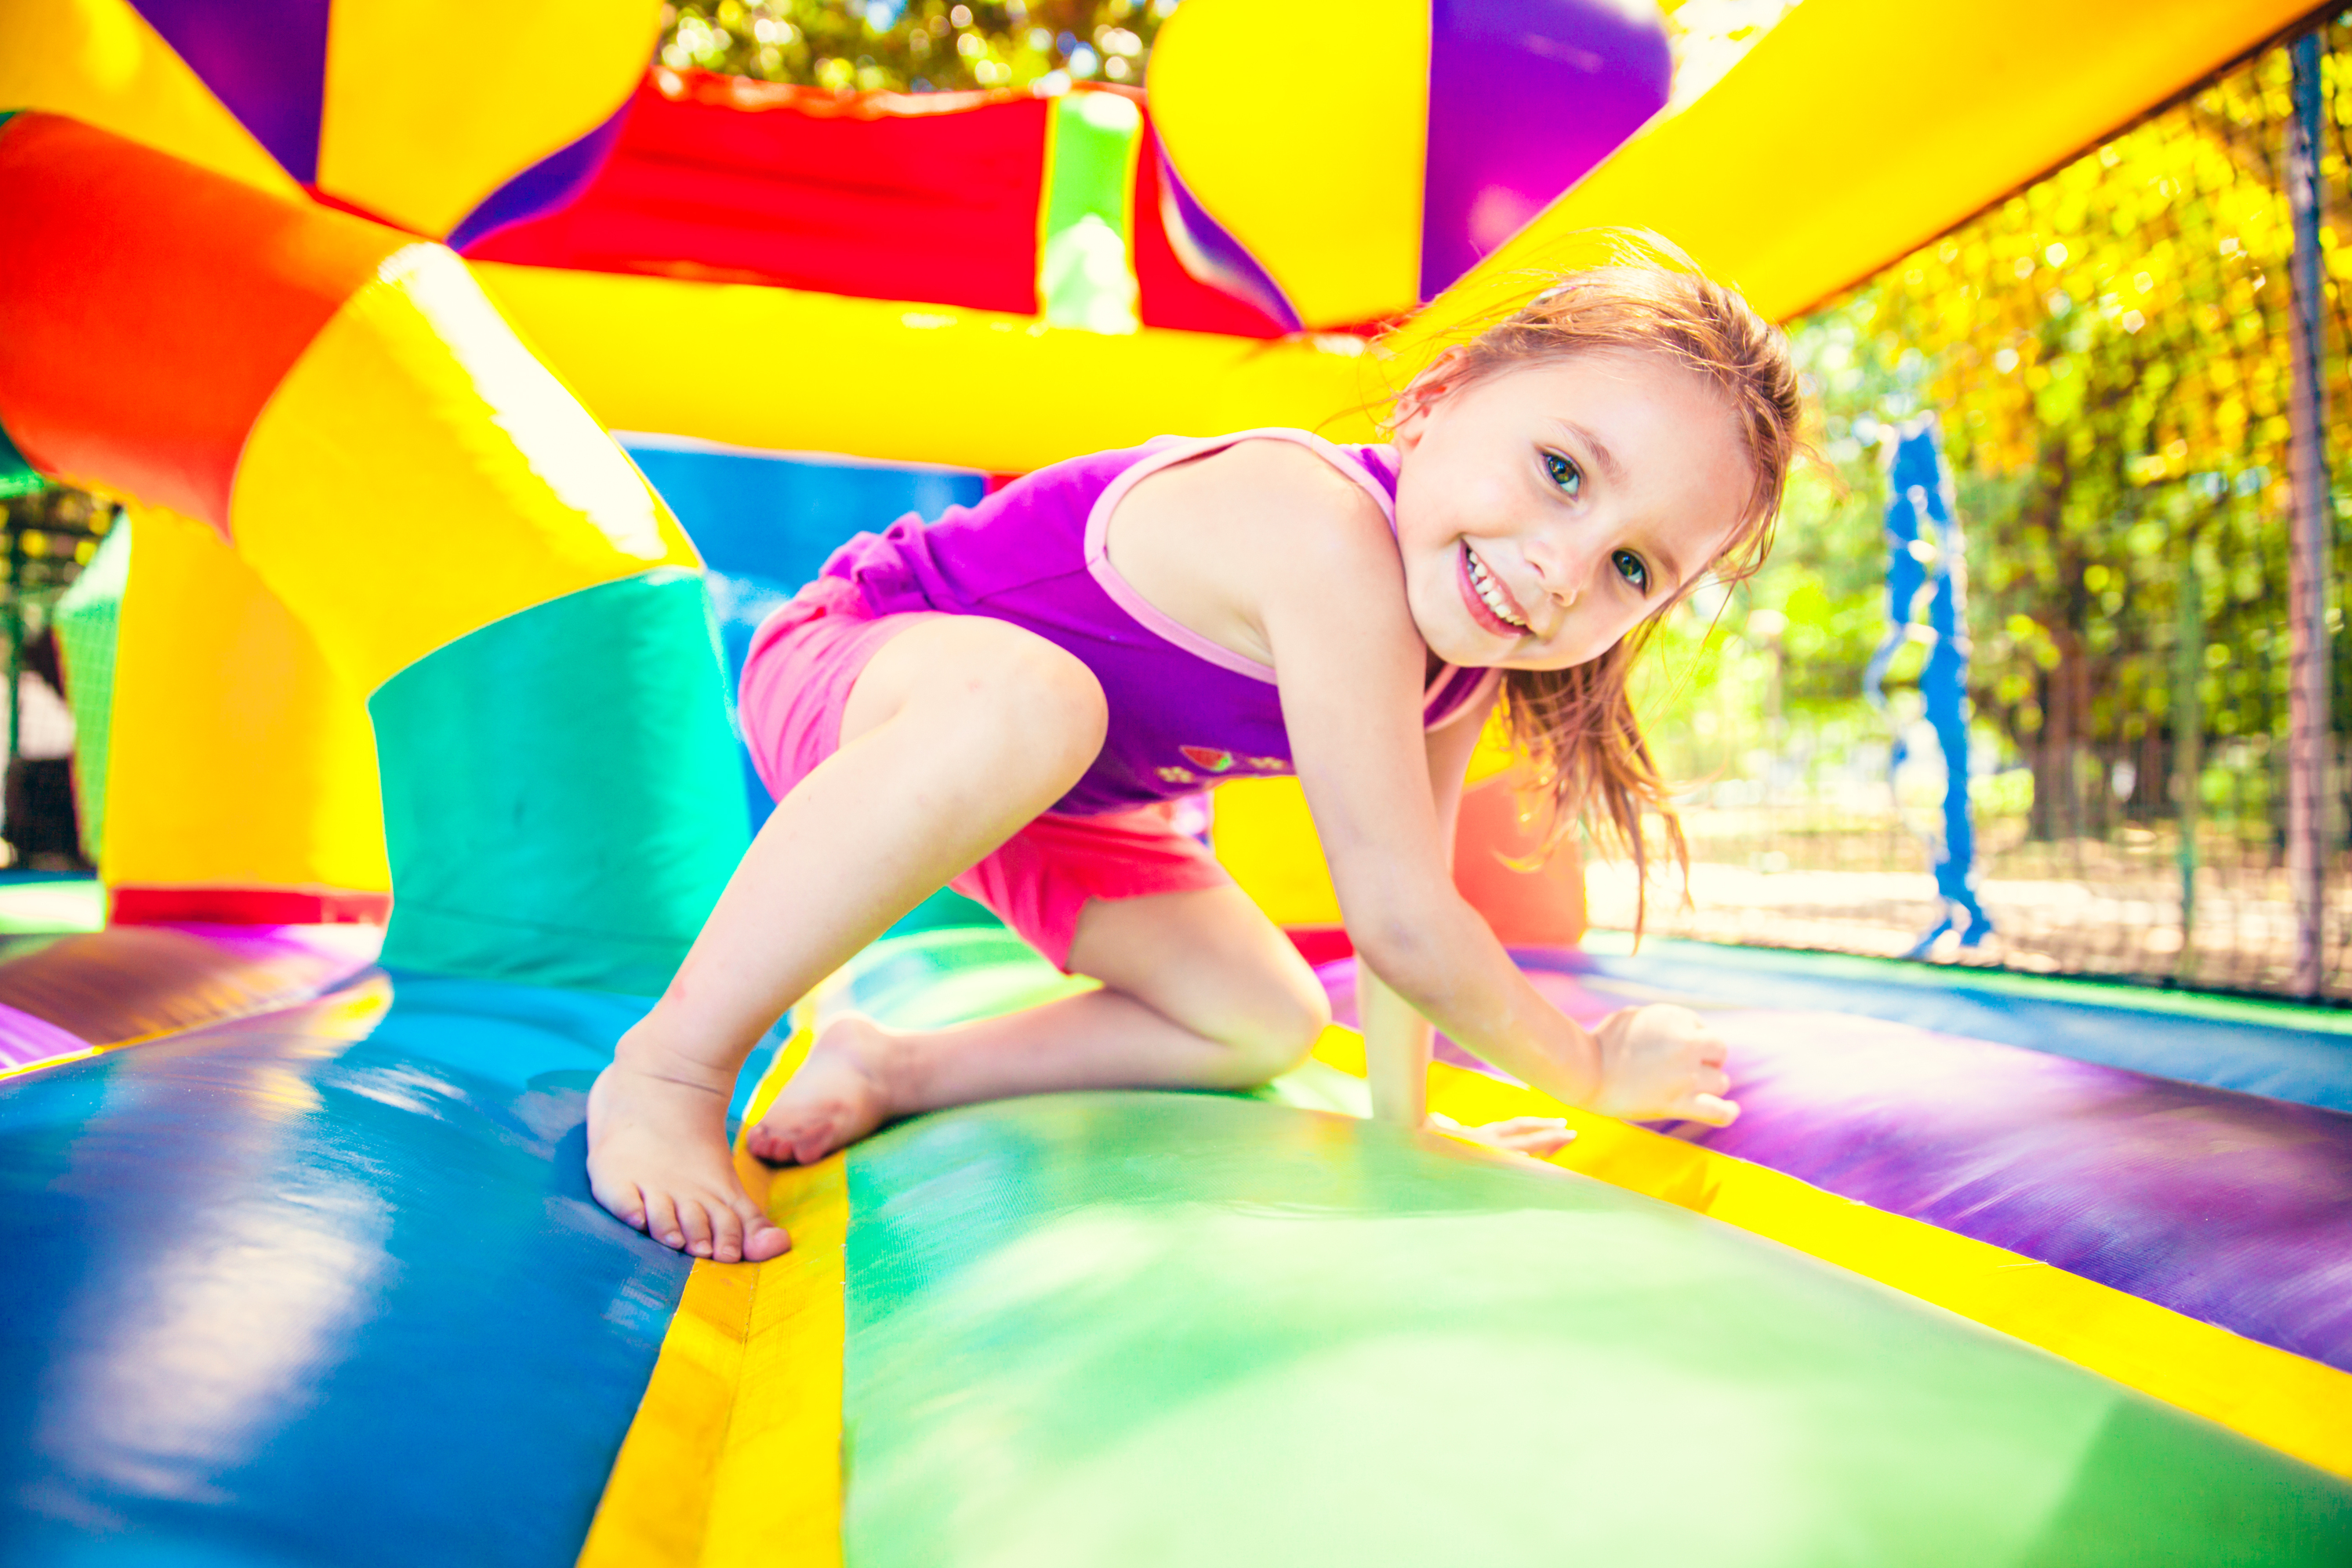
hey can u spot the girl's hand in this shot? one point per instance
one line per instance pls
(1660, 1063)
(1540, 1136)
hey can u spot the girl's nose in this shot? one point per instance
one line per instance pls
(1560, 566)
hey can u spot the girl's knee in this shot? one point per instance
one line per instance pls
(1005, 703)
(1037, 699)
(1277, 1031)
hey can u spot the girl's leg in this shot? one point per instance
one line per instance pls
(959, 730)
(1200, 991)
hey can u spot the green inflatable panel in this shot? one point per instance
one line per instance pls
(562, 800)
(87, 619)
(17, 477)
(1096, 1329)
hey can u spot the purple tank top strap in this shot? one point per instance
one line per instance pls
(1455, 690)
(1373, 468)
(1167, 455)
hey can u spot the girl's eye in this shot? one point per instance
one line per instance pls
(1631, 567)
(1565, 473)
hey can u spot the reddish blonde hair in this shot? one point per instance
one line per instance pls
(1576, 727)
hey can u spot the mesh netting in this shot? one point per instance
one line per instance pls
(2109, 354)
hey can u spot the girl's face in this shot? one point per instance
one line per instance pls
(1544, 511)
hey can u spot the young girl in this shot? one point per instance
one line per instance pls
(1011, 698)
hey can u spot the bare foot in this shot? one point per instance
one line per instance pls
(657, 1159)
(834, 1099)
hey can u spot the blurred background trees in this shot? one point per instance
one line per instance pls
(915, 46)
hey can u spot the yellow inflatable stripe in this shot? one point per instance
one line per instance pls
(418, 475)
(734, 1457)
(2297, 1405)
(409, 134)
(100, 61)
(910, 382)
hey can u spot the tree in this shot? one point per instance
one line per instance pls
(916, 46)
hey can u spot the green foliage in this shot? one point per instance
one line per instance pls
(915, 46)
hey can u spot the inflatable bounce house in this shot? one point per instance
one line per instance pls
(468, 412)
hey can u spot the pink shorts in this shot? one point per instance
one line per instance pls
(803, 661)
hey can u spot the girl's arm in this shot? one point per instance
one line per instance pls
(1396, 1037)
(1349, 662)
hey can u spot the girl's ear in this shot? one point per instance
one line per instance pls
(1423, 392)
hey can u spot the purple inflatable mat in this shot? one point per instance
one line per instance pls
(2229, 1207)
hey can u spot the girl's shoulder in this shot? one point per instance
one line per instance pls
(1274, 472)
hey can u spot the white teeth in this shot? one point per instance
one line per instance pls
(1489, 592)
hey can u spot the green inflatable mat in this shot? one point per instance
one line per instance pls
(1192, 1329)
(1122, 1329)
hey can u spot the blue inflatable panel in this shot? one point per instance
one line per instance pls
(765, 522)
(767, 514)
(324, 1286)
(2278, 1049)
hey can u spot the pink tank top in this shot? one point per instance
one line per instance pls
(1184, 713)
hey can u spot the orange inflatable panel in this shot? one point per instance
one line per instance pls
(1540, 908)
(144, 350)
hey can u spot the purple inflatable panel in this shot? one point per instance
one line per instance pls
(2232, 1209)
(1525, 97)
(546, 185)
(24, 1039)
(266, 59)
(60, 995)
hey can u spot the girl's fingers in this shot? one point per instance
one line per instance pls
(1538, 1135)
(1713, 1109)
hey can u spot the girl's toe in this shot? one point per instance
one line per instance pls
(661, 1220)
(765, 1240)
(726, 1233)
(694, 1220)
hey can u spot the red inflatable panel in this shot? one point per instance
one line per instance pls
(883, 196)
(149, 308)
(130, 905)
(1542, 908)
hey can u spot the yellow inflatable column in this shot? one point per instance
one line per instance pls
(242, 782)
(563, 798)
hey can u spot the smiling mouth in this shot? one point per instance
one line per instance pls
(1490, 603)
